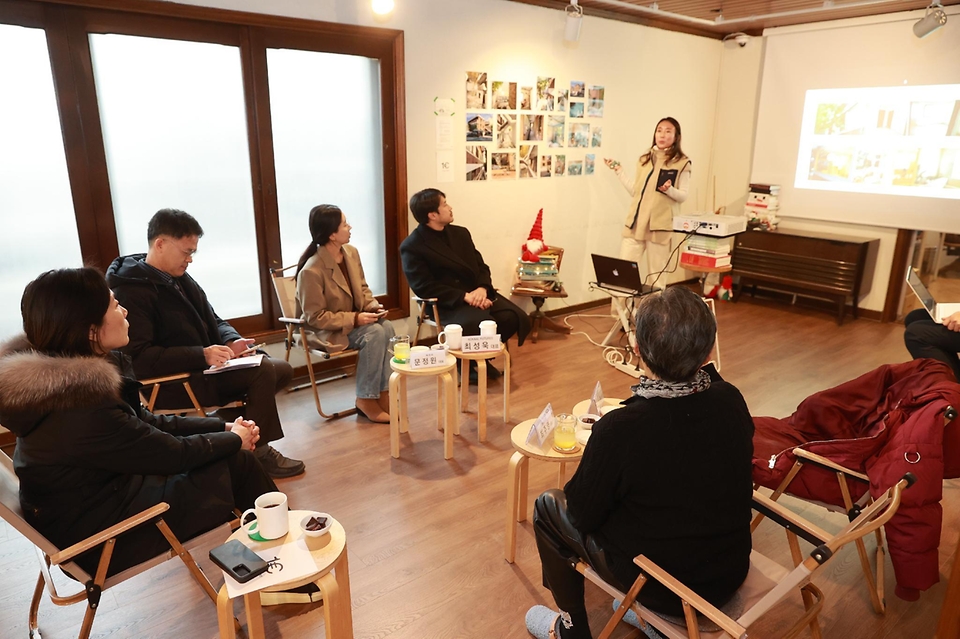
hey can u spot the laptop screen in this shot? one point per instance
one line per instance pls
(921, 291)
(616, 273)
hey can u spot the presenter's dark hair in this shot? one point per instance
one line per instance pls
(324, 221)
(674, 152)
(675, 333)
(174, 223)
(425, 202)
(59, 307)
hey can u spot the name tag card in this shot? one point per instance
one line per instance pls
(427, 359)
(596, 400)
(542, 426)
(480, 343)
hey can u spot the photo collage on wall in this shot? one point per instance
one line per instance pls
(546, 129)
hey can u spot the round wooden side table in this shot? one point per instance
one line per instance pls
(446, 403)
(481, 360)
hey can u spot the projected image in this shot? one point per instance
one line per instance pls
(893, 141)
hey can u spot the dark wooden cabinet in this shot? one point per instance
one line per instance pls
(821, 265)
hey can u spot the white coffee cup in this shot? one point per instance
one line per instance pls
(488, 328)
(438, 347)
(452, 336)
(419, 349)
(270, 510)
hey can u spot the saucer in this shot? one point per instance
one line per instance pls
(575, 449)
(254, 535)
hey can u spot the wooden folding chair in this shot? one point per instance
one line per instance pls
(154, 384)
(767, 582)
(426, 307)
(93, 586)
(286, 289)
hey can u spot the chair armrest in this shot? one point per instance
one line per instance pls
(702, 606)
(162, 380)
(292, 320)
(115, 530)
(823, 461)
(427, 300)
(789, 519)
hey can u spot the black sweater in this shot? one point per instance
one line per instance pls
(671, 479)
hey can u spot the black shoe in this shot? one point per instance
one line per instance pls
(493, 373)
(276, 465)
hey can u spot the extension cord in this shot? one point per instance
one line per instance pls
(629, 369)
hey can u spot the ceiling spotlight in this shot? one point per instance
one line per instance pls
(739, 37)
(933, 20)
(382, 7)
(571, 31)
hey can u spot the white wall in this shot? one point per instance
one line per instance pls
(648, 73)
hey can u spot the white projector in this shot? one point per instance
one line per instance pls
(709, 224)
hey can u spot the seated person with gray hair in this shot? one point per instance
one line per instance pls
(667, 476)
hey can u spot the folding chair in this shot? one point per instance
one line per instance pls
(286, 289)
(767, 582)
(49, 555)
(425, 305)
(196, 408)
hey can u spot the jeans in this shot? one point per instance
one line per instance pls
(373, 362)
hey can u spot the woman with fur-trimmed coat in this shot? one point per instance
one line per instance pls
(88, 455)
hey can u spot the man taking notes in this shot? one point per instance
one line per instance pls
(174, 329)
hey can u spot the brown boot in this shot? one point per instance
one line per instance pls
(385, 401)
(370, 408)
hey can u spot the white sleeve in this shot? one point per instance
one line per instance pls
(628, 182)
(678, 193)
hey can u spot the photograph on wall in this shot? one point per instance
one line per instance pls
(532, 127)
(563, 99)
(504, 95)
(545, 166)
(479, 127)
(576, 109)
(579, 135)
(526, 101)
(476, 90)
(503, 166)
(476, 163)
(545, 88)
(589, 162)
(575, 167)
(576, 89)
(528, 161)
(595, 102)
(506, 131)
(555, 130)
(596, 135)
(559, 164)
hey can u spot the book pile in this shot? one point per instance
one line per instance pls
(702, 251)
(544, 274)
(762, 205)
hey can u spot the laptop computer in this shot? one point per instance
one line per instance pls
(619, 275)
(937, 311)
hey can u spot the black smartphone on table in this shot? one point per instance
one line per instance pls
(238, 561)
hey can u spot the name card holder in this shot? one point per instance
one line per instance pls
(542, 426)
(428, 359)
(480, 343)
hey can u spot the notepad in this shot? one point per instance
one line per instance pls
(235, 364)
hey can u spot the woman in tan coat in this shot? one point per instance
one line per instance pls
(340, 309)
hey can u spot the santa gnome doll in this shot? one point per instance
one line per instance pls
(534, 245)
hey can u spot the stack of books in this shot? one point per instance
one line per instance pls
(703, 251)
(762, 205)
(545, 271)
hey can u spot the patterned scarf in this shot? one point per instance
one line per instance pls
(648, 388)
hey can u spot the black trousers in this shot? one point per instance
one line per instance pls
(510, 319)
(925, 338)
(560, 546)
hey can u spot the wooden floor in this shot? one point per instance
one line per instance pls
(426, 535)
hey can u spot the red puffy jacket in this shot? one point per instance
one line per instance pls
(884, 424)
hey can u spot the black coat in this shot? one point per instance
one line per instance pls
(671, 479)
(447, 269)
(88, 455)
(168, 330)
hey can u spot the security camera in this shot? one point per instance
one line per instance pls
(742, 40)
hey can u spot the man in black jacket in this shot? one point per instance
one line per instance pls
(441, 261)
(174, 329)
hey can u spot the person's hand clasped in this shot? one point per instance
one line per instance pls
(366, 318)
(218, 355)
(247, 430)
(953, 322)
(665, 186)
(477, 298)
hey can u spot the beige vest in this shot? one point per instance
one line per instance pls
(651, 210)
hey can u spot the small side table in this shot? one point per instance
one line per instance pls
(704, 271)
(481, 360)
(537, 317)
(446, 403)
(517, 475)
(329, 553)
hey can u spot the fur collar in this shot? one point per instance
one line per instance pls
(33, 384)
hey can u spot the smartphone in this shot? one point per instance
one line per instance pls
(238, 561)
(382, 312)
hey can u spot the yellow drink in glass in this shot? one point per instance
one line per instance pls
(565, 434)
(401, 352)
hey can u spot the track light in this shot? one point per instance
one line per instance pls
(382, 7)
(933, 20)
(571, 32)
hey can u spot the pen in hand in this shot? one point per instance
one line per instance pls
(252, 349)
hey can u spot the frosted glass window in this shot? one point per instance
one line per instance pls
(175, 134)
(38, 230)
(328, 145)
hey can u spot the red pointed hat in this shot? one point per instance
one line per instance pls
(536, 233)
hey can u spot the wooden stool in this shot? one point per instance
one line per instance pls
(481, 360)
(518, 472)
(446, 398)
(329, 553)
